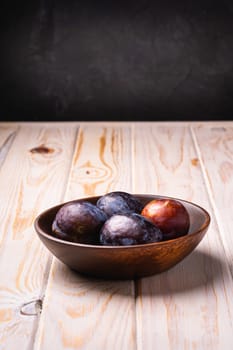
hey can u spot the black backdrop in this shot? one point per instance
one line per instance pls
(122, 60)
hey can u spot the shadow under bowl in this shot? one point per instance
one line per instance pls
(124, 262)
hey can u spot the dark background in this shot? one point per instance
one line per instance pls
(122, 60)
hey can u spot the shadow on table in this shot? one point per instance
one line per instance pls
(196, 272)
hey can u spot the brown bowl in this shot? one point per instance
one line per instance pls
(124, 262)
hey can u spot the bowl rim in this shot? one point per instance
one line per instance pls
(203, 227)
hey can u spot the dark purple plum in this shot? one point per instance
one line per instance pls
(119, 202)
(129, 229)
(79, 222)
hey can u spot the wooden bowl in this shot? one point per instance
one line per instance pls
(124, 262)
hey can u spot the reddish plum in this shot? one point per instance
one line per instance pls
(169, 215)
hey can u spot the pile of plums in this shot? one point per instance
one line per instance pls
(119, 219)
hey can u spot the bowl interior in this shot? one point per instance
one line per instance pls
(198, 216)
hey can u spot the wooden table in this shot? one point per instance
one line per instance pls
(44, 305)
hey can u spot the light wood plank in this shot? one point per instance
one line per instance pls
(85, 313)
(33, 177)
(189, 306)
(102, 160)
(215, 144)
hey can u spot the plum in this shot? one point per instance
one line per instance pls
(119, 202)
(129, 229)
(169, 215)
(79, 221)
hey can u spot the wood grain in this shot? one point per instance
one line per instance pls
(31, 181)
(43, 304)
(215, 145)
(86, 313)
(190, 305)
